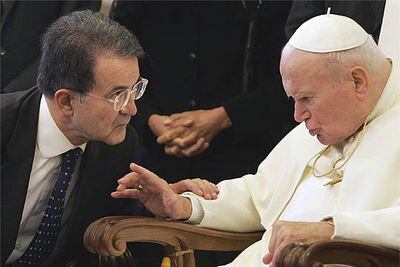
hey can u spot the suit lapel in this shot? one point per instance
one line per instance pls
(16, 171)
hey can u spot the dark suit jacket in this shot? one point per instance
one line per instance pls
(100, 167)
(195, 60)
(367, 13)
(22, 25)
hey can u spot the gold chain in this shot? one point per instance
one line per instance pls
(335, 168)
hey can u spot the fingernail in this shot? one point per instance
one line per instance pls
(201, 192)
(208, 196)
(214, 195)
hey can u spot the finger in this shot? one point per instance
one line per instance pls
(128, 180)
(183, 122)
(187, 185)
(272, 240)
(277, 253)
(142, 175)
(171, 134)
(267, 258)
(167, 122)
(127, 193)
(204, 187)
(210, 189)
(172, 150)
(196, 149)
(187, 141)
(213, 190)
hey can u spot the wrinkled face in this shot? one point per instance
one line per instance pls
(331, 110)
(94, 118)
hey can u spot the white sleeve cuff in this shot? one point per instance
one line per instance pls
(197, 210)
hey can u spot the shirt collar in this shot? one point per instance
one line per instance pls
(50, 139)
(390, 95)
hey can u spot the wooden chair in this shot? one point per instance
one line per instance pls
(107, 237)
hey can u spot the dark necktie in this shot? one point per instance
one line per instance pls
(44, 241)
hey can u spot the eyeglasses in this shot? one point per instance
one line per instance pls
(121, 99)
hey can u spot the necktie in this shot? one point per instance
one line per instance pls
(43, 242)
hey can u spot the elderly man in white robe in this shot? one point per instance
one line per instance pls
(335, 176)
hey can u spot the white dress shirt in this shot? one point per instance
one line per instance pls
(51, 143)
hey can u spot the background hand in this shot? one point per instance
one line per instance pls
(205, 125)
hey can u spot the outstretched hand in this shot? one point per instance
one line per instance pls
(158, 196)
(153, 192)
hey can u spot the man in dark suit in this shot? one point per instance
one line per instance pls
(213, 63)
(368, 14)
(87, 83)
(22, 25)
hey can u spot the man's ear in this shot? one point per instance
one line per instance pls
(63, 99)
(360, 79)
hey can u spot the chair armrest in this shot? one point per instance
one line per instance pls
(108, 237)
(337, 252)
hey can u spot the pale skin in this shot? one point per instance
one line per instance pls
(189, 133)
(159, 197)
(332, 111)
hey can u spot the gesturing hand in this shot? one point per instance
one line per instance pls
(153, 192)
(285, 232)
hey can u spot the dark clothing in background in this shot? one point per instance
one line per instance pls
(196, 52)
(101, 166)
(22, 26)
(367, 13)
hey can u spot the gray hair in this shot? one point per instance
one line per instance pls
(337, 63)
(368, 56)
(71, 45)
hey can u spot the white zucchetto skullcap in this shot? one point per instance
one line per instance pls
(328, 33)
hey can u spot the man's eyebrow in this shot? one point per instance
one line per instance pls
(122, 87)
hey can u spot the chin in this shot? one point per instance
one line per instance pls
(116, 138)
(323, 140)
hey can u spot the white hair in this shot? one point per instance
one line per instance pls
(338, 63)
(368, 56)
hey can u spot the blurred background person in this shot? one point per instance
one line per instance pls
(216, 65)
(215, 106)
(22, 25)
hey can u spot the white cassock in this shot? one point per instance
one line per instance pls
(364, 206)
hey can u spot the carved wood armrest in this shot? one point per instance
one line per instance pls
(337, 252)
(108, 237)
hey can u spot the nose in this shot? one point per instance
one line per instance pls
(130, 108)
(301, 113)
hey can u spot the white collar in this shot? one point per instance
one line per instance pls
(50, 139)
(390, 95)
